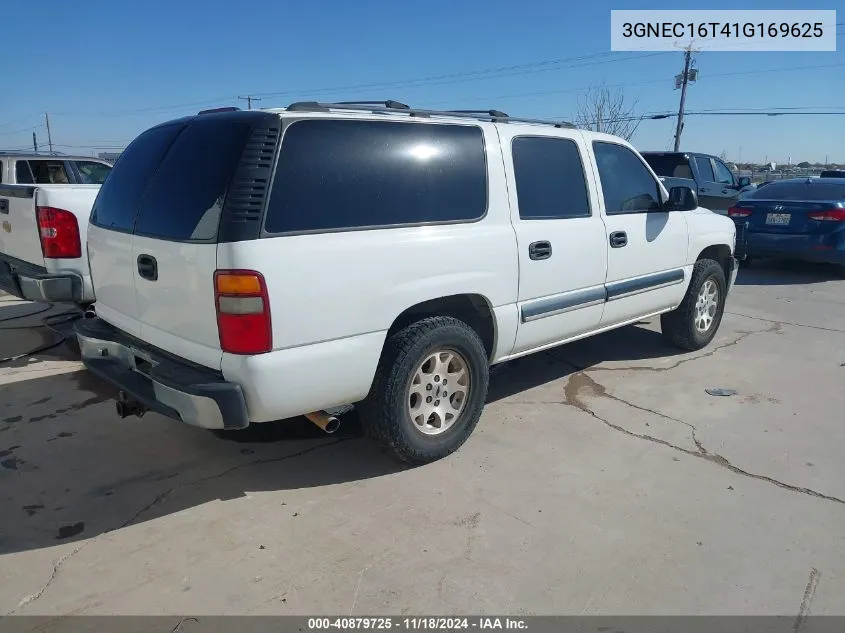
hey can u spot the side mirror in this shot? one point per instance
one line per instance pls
(682, 199)
(743, 181)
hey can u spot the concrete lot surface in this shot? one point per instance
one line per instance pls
(602, 479)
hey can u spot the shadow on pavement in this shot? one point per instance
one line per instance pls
(780, 272)
(71, 470)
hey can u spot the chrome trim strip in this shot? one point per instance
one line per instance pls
(628, 287)
(565, 302)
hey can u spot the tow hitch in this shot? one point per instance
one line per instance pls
(126, 407)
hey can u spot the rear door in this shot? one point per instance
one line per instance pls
(560, 236)
(709, 195)
(174, 251)
(728, 191)
(110, 232)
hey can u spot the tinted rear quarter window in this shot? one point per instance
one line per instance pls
(120, 195)
(339, 174)
(186, 193)
(800, 190)
(550, 180)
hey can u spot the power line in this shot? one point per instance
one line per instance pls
(476, 75)
(29, 128)
(470, 76)
(768, 72)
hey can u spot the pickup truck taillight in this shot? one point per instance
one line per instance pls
(243, 312)
(59, 231)
(829, 215)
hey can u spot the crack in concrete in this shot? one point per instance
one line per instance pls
(581, 382)
(811, 327)
(57, 566)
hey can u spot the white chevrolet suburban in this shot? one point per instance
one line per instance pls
(257, 265)
(45, 201)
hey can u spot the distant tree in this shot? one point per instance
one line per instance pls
(604, 110)
(724, 156)
(803, 164)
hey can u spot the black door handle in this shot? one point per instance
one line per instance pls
(618, 239)
(540, 250)
(4, 206)
(148, 267)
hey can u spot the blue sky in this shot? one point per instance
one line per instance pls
(108, 70)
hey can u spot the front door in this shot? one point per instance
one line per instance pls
(647, 245)
(560, 236)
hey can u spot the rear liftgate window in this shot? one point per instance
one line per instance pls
(185, 195)
(336, 174)
(171, 181)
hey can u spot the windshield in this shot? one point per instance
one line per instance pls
(800, 190)
(92, 173)
(669, 165)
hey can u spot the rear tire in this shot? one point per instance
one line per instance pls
(429, 390)
(693, 324)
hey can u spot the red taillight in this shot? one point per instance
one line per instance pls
(243, 312)
(739, 212)
(59, 231)
(828, 215)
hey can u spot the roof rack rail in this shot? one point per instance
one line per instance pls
(395, 107)
(494, 113)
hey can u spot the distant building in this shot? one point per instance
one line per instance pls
(109, 156)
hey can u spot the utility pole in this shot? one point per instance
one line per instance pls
(249, 99)
(34, 143)
(682, 81)
(49, 136)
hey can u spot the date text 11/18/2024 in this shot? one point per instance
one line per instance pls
(417, 624)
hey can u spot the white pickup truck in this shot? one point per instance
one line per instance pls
(254, 266)
(45, 201)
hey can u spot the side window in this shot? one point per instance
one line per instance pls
(550, 180)
(49, 172)
(337, 174)
(723, 174)
(705, 169)
(92, 173)
(23, 174)
(627, 185)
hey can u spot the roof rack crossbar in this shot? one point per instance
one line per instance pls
(495, 116)
(390, 104)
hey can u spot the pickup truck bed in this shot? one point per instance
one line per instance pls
(56, 215)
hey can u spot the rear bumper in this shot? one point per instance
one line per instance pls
(162, 383)
(825, 248)
(34, 283)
